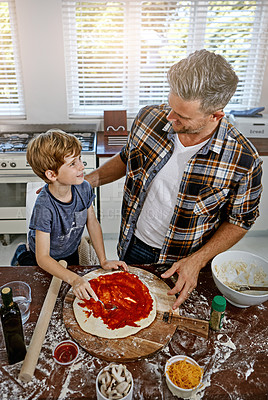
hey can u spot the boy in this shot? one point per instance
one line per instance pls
(62, 209)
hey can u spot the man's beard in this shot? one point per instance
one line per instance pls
(184, 130)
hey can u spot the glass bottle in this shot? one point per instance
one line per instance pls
(12, 327)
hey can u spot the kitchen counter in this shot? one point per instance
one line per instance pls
(261, 145)
(234, 359)
(105, 150)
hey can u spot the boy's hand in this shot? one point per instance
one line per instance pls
(114, 264)
(82, 289)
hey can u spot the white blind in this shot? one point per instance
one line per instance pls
(11, 90)
(118, 52)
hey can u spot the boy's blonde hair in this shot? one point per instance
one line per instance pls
(48, 150)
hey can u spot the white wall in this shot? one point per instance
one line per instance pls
(42, 55)
(264, 93)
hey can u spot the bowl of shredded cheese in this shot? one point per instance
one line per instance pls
(233, 269)
(183, 376)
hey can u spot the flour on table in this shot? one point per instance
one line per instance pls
(229, 343)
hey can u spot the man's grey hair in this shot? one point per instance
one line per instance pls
(203, 76)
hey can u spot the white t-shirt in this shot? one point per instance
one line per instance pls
(158, 208)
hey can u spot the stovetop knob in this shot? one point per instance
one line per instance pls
(3, 165)
(13, 164)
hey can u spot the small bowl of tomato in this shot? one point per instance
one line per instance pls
(66, 352)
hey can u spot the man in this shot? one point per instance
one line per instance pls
(193, 182)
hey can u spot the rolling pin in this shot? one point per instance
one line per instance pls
(33, 351)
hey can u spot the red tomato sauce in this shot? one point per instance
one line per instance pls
(65, 352)
(124, 290)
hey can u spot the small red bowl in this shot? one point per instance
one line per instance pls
(66, 352)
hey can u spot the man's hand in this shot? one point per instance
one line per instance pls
(188, 268)
(188, 271)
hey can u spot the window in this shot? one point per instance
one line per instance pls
(11, 92)
(118, 52)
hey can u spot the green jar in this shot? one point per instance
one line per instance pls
(217, 312)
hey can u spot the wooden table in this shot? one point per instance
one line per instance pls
(235, 359)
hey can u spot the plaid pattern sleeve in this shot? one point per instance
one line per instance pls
(221, 182)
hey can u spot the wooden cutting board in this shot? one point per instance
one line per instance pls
(144, 343)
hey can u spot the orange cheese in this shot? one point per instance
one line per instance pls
(184, 374)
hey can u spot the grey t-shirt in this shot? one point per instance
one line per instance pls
(64, 221)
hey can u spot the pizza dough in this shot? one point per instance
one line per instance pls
(136, 307)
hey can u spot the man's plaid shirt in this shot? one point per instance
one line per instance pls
(221, 182)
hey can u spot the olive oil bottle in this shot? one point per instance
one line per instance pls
(12, 327)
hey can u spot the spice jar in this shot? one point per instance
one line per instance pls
(217, 312)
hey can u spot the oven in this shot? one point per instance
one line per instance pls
(16, 174)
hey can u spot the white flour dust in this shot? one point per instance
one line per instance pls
(223, 351)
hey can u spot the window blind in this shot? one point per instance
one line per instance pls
(118, 52)
(11, 90)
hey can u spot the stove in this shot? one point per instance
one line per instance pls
(16, 175)
(17, 142)
(15, 138)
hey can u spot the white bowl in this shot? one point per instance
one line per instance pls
(66, 352)
(240, 267)
(100, 396)
(175, 390)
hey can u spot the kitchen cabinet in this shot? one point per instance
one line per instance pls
(110, 195)
(110, 206)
